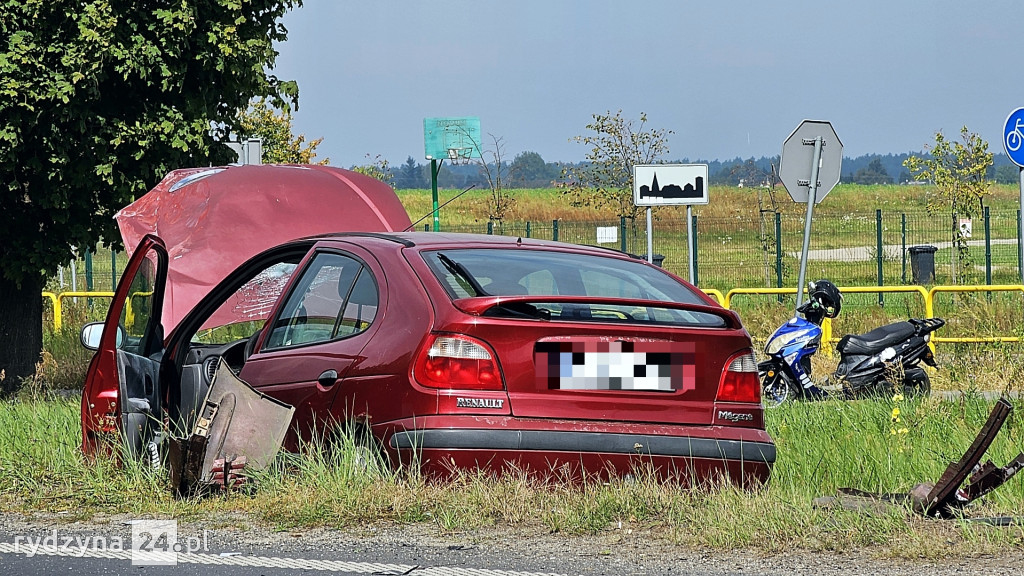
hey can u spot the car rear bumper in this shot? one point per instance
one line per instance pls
(689, 453)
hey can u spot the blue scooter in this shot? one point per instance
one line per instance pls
(881, 361)
(787, 371)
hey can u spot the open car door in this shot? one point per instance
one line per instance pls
(121, 400)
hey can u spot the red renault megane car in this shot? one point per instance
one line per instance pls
(442, 350)
(451, 351)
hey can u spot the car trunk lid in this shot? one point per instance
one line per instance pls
(607, 368)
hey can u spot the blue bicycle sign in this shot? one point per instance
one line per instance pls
(1013, 136)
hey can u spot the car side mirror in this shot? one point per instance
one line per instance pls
(92, 334)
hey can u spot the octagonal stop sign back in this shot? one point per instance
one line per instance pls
(798, 155)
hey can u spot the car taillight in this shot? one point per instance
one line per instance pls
(459, 362)
(739, 381)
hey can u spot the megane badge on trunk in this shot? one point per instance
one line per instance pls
(735, 416)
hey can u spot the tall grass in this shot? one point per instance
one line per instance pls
(821, 447)
(42, 467)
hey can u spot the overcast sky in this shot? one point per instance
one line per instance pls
(729, 78)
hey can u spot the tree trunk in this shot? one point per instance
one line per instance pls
(21, 330)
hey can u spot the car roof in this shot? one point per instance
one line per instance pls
(434, 240)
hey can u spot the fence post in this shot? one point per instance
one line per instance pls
(903, 235)
(490, 227)
(554, 230)
(693, 243)
(527, 229)
(878, 254)
(954, 251)
(113, 270)
(988, 251)
(778, 252)
(622, 233)
(88, 270)
(426, 227)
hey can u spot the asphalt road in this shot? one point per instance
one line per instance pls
(37, 546)
(33, 547)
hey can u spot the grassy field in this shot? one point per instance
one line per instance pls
(546, 204)
(821, 447)
(736, 242)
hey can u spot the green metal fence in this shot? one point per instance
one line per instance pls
(872, 247)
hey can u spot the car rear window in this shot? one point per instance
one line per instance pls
(466, 273)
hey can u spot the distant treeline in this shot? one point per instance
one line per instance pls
(529, 170)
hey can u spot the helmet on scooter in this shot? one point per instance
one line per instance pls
(825, 297)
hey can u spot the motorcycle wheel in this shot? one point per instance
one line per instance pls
(917, 385)
(775, 390)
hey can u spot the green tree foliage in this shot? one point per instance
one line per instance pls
(377, 167)
(873, 173)
(957, 169)
(749, 173)
(412, 174)
(99, 99)
(1007, 174)
(274, 127)
(616, 144)
(529, 170)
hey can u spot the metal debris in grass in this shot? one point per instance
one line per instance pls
(949, 496)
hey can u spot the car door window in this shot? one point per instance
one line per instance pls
(360, 307)
(138, 308)
(335, 297)
(245, 311)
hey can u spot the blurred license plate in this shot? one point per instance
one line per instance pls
(644, 366)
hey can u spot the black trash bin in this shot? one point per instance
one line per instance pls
(658, 259)
(922, 264)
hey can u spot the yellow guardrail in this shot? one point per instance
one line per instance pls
(844, 289)
(57, 314)
(726, 300)
(826, 325)
(58, 303)
(966, 289)
(927, 297)
(714, 294)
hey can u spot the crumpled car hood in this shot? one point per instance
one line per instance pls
(214, 219)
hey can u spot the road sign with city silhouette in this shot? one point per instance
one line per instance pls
(670, 184)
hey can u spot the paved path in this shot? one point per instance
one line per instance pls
(861, 253)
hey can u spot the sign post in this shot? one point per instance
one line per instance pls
(457, 139)
(671, 185)
(650, 238)
(813, 147)
(1013, 143)
(435, 167)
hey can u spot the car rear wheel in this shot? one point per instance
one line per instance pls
(356, 449)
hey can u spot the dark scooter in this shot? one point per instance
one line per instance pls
(882, 361)
(886, 360)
